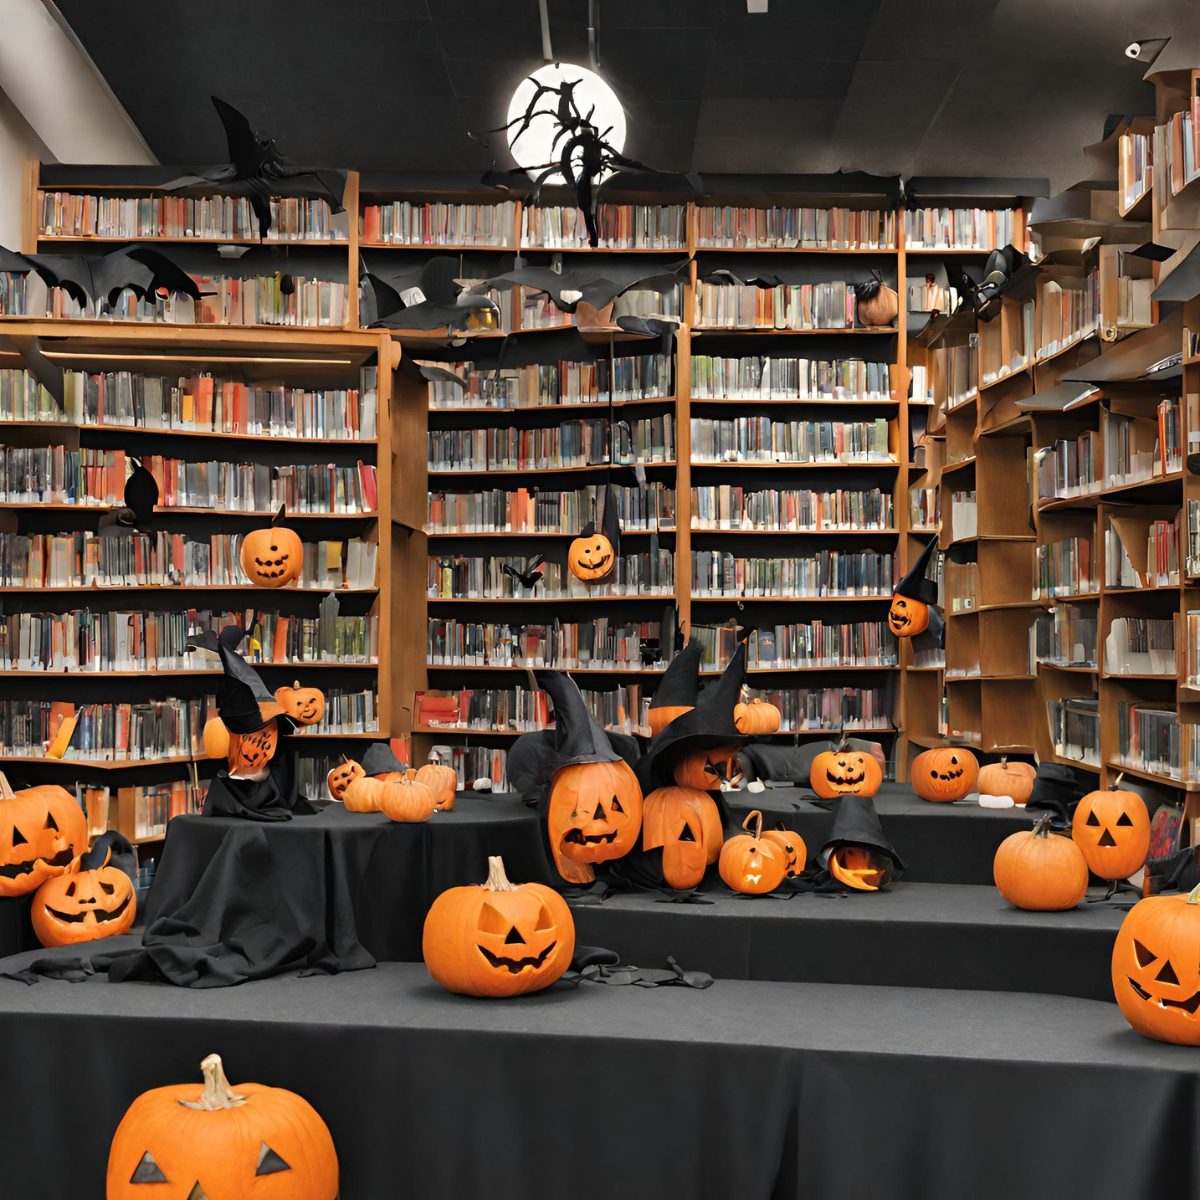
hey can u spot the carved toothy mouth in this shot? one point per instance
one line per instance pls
(515, 966)
(100, 916)
(1189, 1006)
(12, 870)
(596, 563)
(842, 781)
(753, 878)
(594, 839)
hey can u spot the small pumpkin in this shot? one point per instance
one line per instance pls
(342, 776)
(1006, 778)
(84, 905)
(660, 718)
(250, 753)
(944, 774)
(845, 772)
(707, 770)
(272, 557)
(860, 868)
(406, 799)
(363, 794)
(908, 616)
(215, 1142)
(1113, 831)
(216, 738)
(1156, 968)
(756, 717)
(686, 825)
(498, 939)
(877, 304)
(594, 815)
(591, 557)
(306, 706)
(42, 831)
(1040, 871)
(442, 781)
(750, 863)
(793, 847)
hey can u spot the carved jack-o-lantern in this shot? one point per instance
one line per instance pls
(908, 616)
(42, 832)
(591, 557)
(685, 823)
(793, 847)
(860, 868)
(342, 776)
(84, 906)
(1156, 968)
(249, 753)
(500, 939)
(272, 557)
(595, 814)
(707, 770)
(1113, 831)
(750, 863)
(306, 706)
(943, 775)
(217, 1142)
(845, 773)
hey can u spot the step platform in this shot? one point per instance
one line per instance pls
(747, 1089)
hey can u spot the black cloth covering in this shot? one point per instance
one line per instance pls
(754, 1090)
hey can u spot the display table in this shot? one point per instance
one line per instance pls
(751, 1090)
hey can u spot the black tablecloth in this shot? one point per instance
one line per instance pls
(746, 1090)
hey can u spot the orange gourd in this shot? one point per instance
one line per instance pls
(908, 616)
(756, 717)
(859, 868)
(944, 775)
(1006, 778)
(750, 863)
(660, 718)
(1113, 831)
(272, 557)
(363, 794)
(1040, 871)
(216, 738)
(442, 781)
(250, 753)
(406, 799)
(591, 557)
(706, 770)
(42, 832)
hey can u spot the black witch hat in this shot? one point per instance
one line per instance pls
(381, 760)
(141, 495)
(856, 823)
(111, 849)
(610, 523)
(243, 701)
(680, 684)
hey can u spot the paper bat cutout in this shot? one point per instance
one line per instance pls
(141, 495)
(49, 374)
(259, 171)
(102, 277)
(532, 575)
(592, 282)
(426, 298)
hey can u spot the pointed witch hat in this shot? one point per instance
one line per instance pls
(917, 585)
(857, 828)
(243, 701)
(678, 689)
(381, 760)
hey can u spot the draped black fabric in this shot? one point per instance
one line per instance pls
(255, 800)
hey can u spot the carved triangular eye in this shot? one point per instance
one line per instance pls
(148, 1171)
(1167, 974)
(1092, 819)
(71, 889)
(1124, 819)
(545, 920)
(197, 1192)
(491, 920)
(107, 888)
(19, 839)
(269, 1163)
(1143, 956)
(51, 823)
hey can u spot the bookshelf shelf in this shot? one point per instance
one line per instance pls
(886, 251)
(697, 598)
(793, 532)
(857, 402)
(798, 466)
(1153, 777)
(257, 438)
(84, 764)
(150, 672)
(866, 331)
(548, 409)
(631, 671)
(649, 596)
(525, 472)
(119, 589)
(548, 534)
(340, 243)
(172, 509)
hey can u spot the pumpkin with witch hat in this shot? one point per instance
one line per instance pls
(912, 611)
(593, 555)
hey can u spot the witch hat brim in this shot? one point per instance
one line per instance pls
(243, 702)
(916, 585)
(856, 823)
(680, 684)
(381, 760)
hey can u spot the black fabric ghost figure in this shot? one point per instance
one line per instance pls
(913, 610)
(858, 854)
(141, 496)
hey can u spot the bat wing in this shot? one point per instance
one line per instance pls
(49, 374)
(247, 151)
(144, 270)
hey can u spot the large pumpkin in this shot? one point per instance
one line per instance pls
(250, 753)
(498, 939)
(750, 863)
(595, 814)
(42, 832)
(1006, 778)
(216, 1142)
(1113, 831)
(944, 775)
(845, 773)
(1040, 871)
(442, 781)
(406, 799)
(342, 776)
(591, 557)
(756, 717)
(908, 616)
(306, 706)
(686, 824)
(793, 847)
(860, 868)
(272, 557)
(1156, 968)
(84, 906)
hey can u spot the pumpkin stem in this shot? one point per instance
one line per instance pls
(1194, 895)
(497, 881)
(217, 1093)
(6, 792)
(756, 817)
(1004, 762)
(1117, 781)
(410, 775)
(1042, 828)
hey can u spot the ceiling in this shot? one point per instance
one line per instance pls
(925, 87)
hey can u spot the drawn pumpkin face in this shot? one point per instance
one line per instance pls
(860, 868)
(341, 777)
(908, 617)
(84, 906)
(272, 557)
(42, 832)
(591, 557)
(845, 773)
(944, 775)
(686, 825)
(249, 753)
(306, 706)
(1113, 831)
(595, 814)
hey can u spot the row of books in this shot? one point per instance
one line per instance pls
(925, 507)
(797, 306)
(164, 559)
(964, 228)
(759, 439)
(827, 573)
(1006, 345)
(802, 645)
(1150, 738)
(478, 578)
(1139, 448)
(154, 804)
(538, 311)
(1141, 646)
(964, 515)
(795, 227)
(931, 296)
(404, 223)
(1175, 161)
(601, 644)
(1192, 564)
(621, 227)
(1135, 166)
(1071, 467)
(1064, 569)
(1193, 648)
(1069, 310)
(1075, 728)
(1066, 636)
(1141, 552)
(645, 506)
(762, 377)
(472, 763)
(578, 443)
(346, 712)
(956, 372)
(68, 214)
(798, 509)
(199, 403)
(961, 585)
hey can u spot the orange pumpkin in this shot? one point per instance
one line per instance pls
(363, 794)
(1040, 871)
(595, 814)
(442, 781)
(1006, 778)
(685, 823)
(660, 718)
(42, 832)
(192, 1142)
(591, 557)
(793, 847)
(1156, 968)
(1113, 831)
(944, 775)
(845, 772)
(706, 770)
(272, 557)
(250, 753)
(756, 717)
(859, 868)
(877, 304)
(406, 800)
(216, 738)
(498, 939)
(750, 863)
(342, 776)
(306, 706)
(84, 905)
(908, 616)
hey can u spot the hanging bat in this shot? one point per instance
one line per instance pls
(100, 278)
(595, 283)
(532, 574)
(426, 298)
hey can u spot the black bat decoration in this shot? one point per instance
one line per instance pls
(141, 495)
(445, 303)
(532, 575)
(259, 170)
(596, 283)
(49, 374)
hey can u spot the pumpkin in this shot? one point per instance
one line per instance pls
(707, 770)
(1008, 779)
(442, 781)
(756, 717)
(306, 706)
(216, 1142)
(595, 814)
(363, 794)
(498, 939)
(686, 825)
(591, 557)
(660, 718)
(249, 753)
(908, 616)
(272, 557)
(342, 776)
(1156, 968)
(794, 849)
(944, 775)
(83, 906)
(406, 799)
(877, 304)
(216, 738)
(750, 863)
(859, 868)
(42, 831)
(845, 772)
(1113, 831)
(1040, 871)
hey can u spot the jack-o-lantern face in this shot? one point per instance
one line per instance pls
(84, 906)
(750, 863)
(306, 706)
(860, 868)
(1113, 831)
(709, 770)
(944, 775)
(595, 814)
(274, 556)
(501, 939)
(845, 773)
(685, 823)
(249, 753)
(591, 557)
(908, 617)
(793, 847)
(341, 777)
(42, 832)
(1156, 968)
